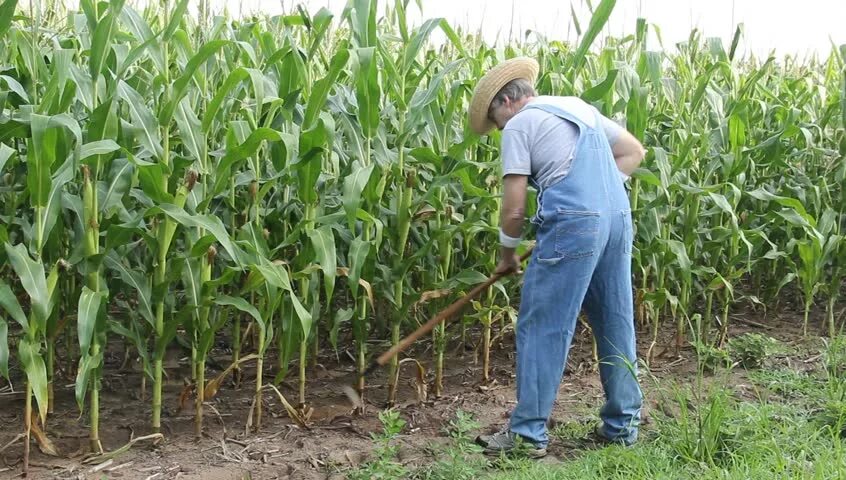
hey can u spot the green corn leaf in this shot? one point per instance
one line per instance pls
(470, 277)
(724, 205)
(208, 335)
(170, 328)
(241, 305)
(6, 153)
(342, 316)
(15, 86)
(190, 130)
(101, 41)
(322, 22)
(598, 91)
(175, 19)
(224, 92)
(353, 187)
(423, 98)
(87, 364)
(647, 177)
(794, 218)
(240, 153)
(323, 242)
(359, 250)
(597, 23)
(150, 178)
(454, 38)
(7, 12)
(4, 348)
(368, 91)
(139, 342)
(41, 155)
(209, 223)
(150, 43)
(412, 48)
(99, 147)
(29, 354)
(31, 275)
(90, 13)
(9, 303)
(193, 284)
(137, 281)
(276, 275)
(89, 306)
(735, 41)
(575, 19)
(680, 253)
(112, 192)
(321, 88)
(181, 85)
(364, 25)
(50, 213)
(142, 119)
(796, 205)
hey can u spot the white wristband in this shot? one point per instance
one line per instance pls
(624, 177)
(508, 242)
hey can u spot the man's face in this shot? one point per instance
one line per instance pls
(501, 113)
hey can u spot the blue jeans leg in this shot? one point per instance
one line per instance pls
(610, 309)
(552, 296)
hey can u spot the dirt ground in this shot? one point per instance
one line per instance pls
(335, 439)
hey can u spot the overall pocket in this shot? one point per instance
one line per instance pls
(574, 234)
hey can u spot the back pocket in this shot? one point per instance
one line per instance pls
(576, 234)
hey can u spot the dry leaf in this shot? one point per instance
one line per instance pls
(212, 386)
(425, 212)
(44, 443)
(432, 295)
(364, 283)
(292, 412)
(184, 395)
(110, 455)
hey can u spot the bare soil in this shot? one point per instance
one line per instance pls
(335, 439)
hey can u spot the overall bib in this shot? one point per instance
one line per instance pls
(582, 258)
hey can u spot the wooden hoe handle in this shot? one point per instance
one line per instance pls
(445, 314)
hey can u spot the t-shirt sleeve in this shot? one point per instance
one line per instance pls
(516, 157)
(611, 128)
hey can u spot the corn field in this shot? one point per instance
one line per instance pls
(306, 182)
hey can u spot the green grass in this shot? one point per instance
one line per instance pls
(790, 428)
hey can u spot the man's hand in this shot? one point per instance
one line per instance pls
(509, 263)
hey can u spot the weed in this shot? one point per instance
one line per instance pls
(752, 349)
(712, 358)
(789, 384)
(461, 458)
(384, 465)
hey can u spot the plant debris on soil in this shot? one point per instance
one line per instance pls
(336, 437)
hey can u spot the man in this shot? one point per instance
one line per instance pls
(577, 160)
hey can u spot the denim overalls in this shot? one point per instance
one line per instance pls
(583, 254)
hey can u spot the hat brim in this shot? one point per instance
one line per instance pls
(492, 83)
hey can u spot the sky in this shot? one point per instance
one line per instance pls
(786, 27)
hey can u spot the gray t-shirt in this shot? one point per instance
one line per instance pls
(542, 145)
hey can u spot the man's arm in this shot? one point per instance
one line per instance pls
(512, 217)
(628, 152)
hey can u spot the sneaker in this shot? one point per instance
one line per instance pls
(600, 437)
(506, 441)
(484, 440)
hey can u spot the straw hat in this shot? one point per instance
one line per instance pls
(492, 83)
